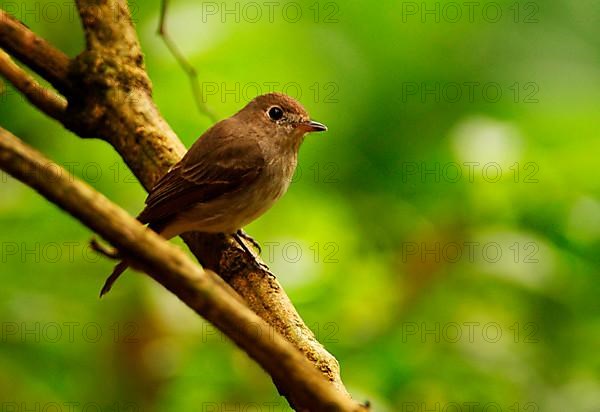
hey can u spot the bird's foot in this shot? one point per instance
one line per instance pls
(249, 238)
(263, 266)
(259, 265)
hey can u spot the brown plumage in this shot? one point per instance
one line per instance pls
(232, 174)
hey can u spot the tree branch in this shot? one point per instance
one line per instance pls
(35, 52)
(149, 146)
(110, 97)
(182, 61)
(47, 101)
(293, 374)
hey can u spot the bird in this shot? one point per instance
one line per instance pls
(231, 175)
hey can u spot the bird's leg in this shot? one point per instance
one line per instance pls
(260, 265)
(240, 242)
(249, 238)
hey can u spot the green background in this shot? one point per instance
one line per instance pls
(442, 244)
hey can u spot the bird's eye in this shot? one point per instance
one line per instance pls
(275, 113)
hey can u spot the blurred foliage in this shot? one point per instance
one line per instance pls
(433, 286)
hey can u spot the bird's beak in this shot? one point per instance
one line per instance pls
(312, 126)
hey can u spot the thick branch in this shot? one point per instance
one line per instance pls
(138, 132)
(35, 52)
(110, 97)
(46, 100)
(169, 266)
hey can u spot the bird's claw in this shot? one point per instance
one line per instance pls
(259, 265)
(263, 266)
(249, 238)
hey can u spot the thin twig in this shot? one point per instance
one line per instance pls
(168, 265)
(184, 63)
(105, 251)
(46, 100)
(35, 52)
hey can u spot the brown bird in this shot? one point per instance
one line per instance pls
(231, 175)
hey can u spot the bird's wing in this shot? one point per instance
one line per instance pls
(217, 164)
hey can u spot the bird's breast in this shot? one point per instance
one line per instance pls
(239, 208)
(276, 178)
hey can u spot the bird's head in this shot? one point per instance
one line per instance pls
(281, 117)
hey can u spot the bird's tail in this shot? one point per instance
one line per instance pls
(124, 264)
(117, 271)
